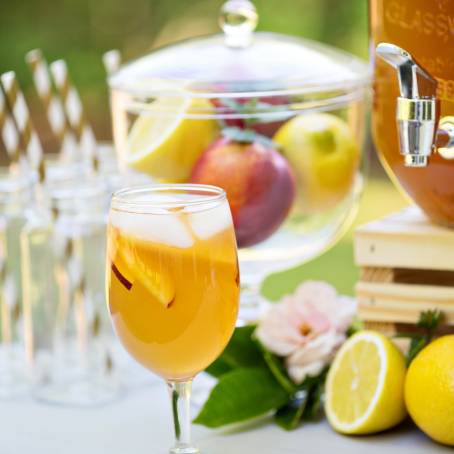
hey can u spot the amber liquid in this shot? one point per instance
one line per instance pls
(173, 308)
(425, 28)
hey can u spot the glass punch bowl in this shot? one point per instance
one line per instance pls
(276, 121)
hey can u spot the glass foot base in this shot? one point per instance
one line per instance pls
(184, 450)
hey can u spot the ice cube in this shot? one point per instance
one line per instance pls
(206, 223)
(166, 229)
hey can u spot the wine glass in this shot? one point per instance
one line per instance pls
(173, 284)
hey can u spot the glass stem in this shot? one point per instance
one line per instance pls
(180, 397)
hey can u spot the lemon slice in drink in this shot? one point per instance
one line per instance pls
(365, 385)
(164, 143)
(130, 271)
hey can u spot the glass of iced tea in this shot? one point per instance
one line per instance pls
(173, 284)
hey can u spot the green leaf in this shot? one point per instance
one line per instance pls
(430, 319)
(314, 403)
(241, 351)
(306, 403)
(246, 136)
(218, 368)
(240, 395)
(416, 345)
(276, 367)
(289, 416)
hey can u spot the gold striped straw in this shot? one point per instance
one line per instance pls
(52, 104)
(112, 61)
(10, 135)
(74, 113)
(28, 138)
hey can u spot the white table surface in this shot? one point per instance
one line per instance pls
(140, 423)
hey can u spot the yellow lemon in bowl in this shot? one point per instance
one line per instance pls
(324, 156)
(165, 141)
(429, 390)
(365, 385)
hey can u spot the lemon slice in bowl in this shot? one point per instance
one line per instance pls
(164, 143)
(365, 385)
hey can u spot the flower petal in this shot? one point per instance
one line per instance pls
(275, 344)
(308, 326)
(277, 333)
(299, 373)
(320, 348)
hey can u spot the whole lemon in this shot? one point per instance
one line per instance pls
(429, 390)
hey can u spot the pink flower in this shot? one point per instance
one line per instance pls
(307, 328)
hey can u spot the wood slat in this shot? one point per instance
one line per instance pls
(392, 329)
(407, 276)
(405, 240)
(403, 303)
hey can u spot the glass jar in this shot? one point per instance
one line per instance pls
(68, 332)
(276, 121)
(15, 197)
(424, 29)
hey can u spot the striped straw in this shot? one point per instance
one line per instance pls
(112, 61)
(73, 108)
(52, 103)
(21, 116)
(9, 134)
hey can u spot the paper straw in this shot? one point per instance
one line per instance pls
(9, 134)
(74, 113)
(112, 61)
(52, 103)
(21, 116)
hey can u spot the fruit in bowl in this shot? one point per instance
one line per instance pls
(164, 144)
(259, 183)
(266, 125)
(324, 156)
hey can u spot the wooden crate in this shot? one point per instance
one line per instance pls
(407, 266)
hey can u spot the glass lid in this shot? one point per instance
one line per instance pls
(243, 63)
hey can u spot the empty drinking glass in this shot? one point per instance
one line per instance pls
(68, 334)
(15, 197)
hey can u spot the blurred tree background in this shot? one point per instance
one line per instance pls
(80, 31)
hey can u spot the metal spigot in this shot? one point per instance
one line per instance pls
(417, 109)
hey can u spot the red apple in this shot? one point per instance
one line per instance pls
(259, 183)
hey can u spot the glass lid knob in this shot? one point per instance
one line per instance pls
(238, 19)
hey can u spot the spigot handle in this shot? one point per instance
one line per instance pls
(414, 81)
